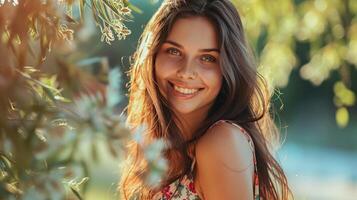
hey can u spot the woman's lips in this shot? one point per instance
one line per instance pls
(180, 95)
(183, 85)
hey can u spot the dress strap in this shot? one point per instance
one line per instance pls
(193, 164)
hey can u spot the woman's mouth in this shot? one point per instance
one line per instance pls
(183, 92)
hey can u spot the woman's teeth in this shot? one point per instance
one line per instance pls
(185, 90)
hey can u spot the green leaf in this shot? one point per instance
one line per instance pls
(70, 19)
(5, 164)
(102, 11)
(112, 8)
(94, 12)
(134, 8)
(76, 193)
(81, 9)
(62, 99)
(94, 151)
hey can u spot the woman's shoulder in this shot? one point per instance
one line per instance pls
(225, 143)
(225, 162)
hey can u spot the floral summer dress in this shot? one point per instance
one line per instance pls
(184, 189)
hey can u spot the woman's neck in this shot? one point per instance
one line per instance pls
(191, 122)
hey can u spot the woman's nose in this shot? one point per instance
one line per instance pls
(187, 70)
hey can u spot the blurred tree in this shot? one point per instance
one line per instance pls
(328, 27)
(43, 131)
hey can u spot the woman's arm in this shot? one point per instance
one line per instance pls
(225, 165)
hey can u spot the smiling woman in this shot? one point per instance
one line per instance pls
(187, 71)
(195, 85)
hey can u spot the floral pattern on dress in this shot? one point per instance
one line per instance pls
(184, 188)
(181, 189)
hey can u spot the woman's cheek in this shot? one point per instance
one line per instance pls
(165, 66)
(211, 74)
(171, 63)
(210, 71)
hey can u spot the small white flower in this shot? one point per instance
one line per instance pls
(138, 135)
(153, 178)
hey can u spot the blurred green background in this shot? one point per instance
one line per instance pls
(307, 49)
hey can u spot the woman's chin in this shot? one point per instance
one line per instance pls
(184, 110)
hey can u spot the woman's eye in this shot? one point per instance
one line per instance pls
(208, 58)
(173, 51)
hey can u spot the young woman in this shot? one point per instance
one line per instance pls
(194, 84)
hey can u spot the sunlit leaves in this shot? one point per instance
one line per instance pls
(327, 27)
(343, 99)
(322, 63)
(75, 185)
(277, 69)
(351, 54)
(313, 22)
(107, 34)
(45, 185)
(343, 95)
(65, 32)
(342, 117)
(44, 85)
(41, 130)
(321, 22)
(109, 16)
(274, 24)
(50, 136)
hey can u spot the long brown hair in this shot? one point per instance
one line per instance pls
(244, 99)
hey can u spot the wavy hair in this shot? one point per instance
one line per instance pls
(244, 99)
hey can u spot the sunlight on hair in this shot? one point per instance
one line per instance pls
(13, 2)
(145, 44)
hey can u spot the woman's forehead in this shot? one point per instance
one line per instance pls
(194, 32)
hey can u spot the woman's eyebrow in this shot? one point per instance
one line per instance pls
(180, 46)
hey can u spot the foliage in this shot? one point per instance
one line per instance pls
(327, 27)
(52, 108)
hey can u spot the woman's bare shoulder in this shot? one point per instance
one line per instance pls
(226, 144)
(225, 164)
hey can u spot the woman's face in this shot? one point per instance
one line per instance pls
(187, 65)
